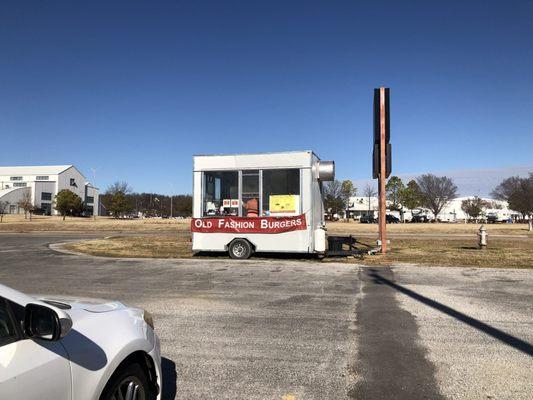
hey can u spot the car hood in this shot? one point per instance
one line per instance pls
(80, 303)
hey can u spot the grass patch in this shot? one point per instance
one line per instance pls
(136, 246)
(39, 223)
(439, 228)
(501, 253)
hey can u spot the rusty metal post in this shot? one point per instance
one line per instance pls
(382, 174)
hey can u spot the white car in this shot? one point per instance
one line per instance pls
(71, 349)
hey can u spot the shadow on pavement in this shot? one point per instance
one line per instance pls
(168, 368)
(510, 340)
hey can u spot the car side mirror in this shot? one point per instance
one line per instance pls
(46, 323)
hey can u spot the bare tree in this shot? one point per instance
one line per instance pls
(494, 204)
(369, 192)
(518, 192)
(506, 188)
(436, 192)
(3, 209)
(473, 207)
(333, 197)
(119, 187)
(26, 204)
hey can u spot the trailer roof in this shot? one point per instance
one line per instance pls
(255, 154)
(286, 159)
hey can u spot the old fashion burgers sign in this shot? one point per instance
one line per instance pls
(249, 225)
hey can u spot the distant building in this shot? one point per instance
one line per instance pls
(454, 213)
(42, 183)
(360, 205)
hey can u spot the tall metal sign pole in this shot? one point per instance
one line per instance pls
(382, 157)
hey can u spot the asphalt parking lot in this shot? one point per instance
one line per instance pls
(272, 329)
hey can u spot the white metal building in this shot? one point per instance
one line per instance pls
(42, 183)
(452, 212)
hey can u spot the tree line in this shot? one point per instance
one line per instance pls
(120, 201)
(434, 193)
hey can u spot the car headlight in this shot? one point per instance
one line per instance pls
(148, 318)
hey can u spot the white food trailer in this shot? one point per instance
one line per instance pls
(270, 202)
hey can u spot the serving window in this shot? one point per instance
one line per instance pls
(221, 193)
(251, 193)
(281, 192)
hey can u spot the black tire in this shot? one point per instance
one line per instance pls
(128, 375)
(240, 249)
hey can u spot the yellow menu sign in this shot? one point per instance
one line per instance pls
(283, 203)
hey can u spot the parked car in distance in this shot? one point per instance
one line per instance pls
(419, 218)
(391, 219)
(493, 218)
(367, 219)
(54, 348)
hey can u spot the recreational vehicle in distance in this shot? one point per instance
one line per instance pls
(497, 215)
(270, 202)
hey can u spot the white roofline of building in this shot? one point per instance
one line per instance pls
(35, 169)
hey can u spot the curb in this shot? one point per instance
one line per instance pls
(59, 248)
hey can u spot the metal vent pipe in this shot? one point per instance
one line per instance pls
(326, 171)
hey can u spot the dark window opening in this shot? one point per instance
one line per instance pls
(221, 193)
(46, 196)
(250, 193)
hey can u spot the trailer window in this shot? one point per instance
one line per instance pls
(281, 192)
(250, 193)
(221, 193)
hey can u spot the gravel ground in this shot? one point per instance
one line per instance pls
(472, 361)
(278, 328)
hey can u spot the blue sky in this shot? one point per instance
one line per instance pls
(134, 89)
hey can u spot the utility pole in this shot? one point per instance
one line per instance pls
(382, 174)
(381, 167)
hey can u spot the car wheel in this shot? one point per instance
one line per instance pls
(240, 249)
(128, 383)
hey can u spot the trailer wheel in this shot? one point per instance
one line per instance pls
(240, 249)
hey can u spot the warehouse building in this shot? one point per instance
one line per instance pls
(41, 184)
(452, 212)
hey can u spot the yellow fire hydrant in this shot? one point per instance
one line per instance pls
(483, 235)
